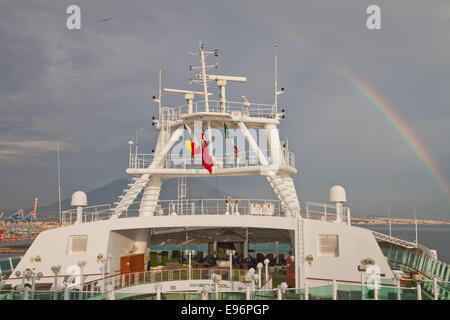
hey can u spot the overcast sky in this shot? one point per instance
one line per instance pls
(91, 89)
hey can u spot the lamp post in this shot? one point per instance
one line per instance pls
(23, 292)
(66, 288)
(103, 268)
(158, 288)
(259, 266)
(251, 273)
(281, 289)
(266, 263)
(18, 273)
(55, 270)
(189, 253)
(216, 278)
(231, 253)
(81, 264)
(34, 276)
(255, 280)
(205, 294)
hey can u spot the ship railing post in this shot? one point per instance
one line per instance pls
(419, 291)
(66, 291)
(363, 287)
(399, 296)
(334, 289)
(435, 289)
(375, 290)
(26, 293)
(248, 293)
(306, 290)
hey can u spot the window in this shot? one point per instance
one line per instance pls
(328, 245)
(77, 244)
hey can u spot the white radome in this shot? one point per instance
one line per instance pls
(79, 199)
(337, 194)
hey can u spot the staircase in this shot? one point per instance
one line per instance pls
(283, 185)
(150, 196)
(127, 198)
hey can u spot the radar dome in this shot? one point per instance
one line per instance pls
(337, 194)
(79, 199)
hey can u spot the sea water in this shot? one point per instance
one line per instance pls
(431, 236)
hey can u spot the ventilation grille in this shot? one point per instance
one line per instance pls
(78, 244)
(328, 245)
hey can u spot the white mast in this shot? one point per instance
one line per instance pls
(390, 224)
(415, 222)
(276, 91)
(205, 85)
(276, 81)
(136, 145)
(59, 185)
(205, 91)
(159, 93)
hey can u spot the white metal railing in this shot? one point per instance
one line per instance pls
(254, 110)
(252, 207)
(227, 160)
(325, 211)
(95, 213)
(123, 280)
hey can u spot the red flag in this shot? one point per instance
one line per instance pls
(207, 161)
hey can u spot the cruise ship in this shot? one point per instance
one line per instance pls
(142, 247)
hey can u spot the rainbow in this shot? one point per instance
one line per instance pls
(387, 112)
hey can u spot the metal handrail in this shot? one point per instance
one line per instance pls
(327, 211)
(252, 207)
(122, 280)
(255, 109)
(226, 160)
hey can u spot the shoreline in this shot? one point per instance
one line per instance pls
(13, 250)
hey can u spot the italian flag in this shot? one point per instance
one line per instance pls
(228, 136)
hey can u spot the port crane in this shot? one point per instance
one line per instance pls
(24, 226)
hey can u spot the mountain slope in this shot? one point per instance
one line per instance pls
(197, 188)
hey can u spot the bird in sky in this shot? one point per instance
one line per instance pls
(105, 19)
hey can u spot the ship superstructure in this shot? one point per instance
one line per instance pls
(107, 249)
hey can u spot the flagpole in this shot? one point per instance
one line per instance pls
(59, 186)
(415, 222)
(390, 224)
